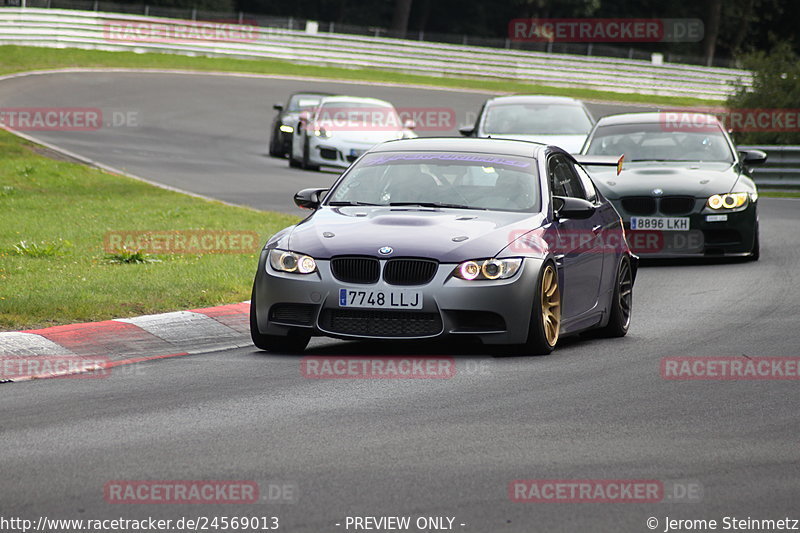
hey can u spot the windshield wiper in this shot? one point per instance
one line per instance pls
(434, 204)
(347, 202)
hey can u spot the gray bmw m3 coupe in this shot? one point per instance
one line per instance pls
(504, 241)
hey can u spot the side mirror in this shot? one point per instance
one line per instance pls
(309, 198)
(278, 107)
(466, 131)
(753, 157)
(569, 207)
(409, 124)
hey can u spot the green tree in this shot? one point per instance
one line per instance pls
(776, 85)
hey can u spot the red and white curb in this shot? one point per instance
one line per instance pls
(125, 341)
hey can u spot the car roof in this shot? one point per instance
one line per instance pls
(533, 99)
(643, 118)
(355, 99)
(462, 144)
(309, 93)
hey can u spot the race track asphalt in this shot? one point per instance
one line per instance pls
(594, 409)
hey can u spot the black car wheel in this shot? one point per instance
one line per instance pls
(622, 302)
(294, 342)
(755, 253)
(276, 144)
(306, 165)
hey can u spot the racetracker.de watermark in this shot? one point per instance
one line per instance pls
(66, 118)
(731, 368)
(166, 31)
(198, 492)
(14, 367)
(388, 367)
(604, 491)
(609, 30)
(182, 241)
(738, 120)
(383, 118)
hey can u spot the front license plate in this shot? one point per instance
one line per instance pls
(380, 299)
(660, 223)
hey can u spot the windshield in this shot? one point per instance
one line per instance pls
(537, 119)
(463, 180)
(299, 102)
(655, 142)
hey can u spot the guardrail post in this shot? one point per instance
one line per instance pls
(589, 49)
(194, 13)
(241, 17)
(290, 23)
(146, 10)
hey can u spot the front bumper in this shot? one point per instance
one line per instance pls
(496, 312)
(733, 236)
(331, 152)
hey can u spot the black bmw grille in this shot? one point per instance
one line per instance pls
(409, 271)
(639, 205)
(355, 269)
(676, 205)
(300, 314)
(381, 323)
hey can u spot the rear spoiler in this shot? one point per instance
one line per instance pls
(601, 160)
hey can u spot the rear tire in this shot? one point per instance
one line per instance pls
(292, 343)
(622, 302)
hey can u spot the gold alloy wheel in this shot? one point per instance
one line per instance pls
(551, 305)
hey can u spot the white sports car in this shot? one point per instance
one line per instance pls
(341, 128)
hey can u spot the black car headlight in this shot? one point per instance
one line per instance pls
(487, 269)
(728, 201)
(284, 261)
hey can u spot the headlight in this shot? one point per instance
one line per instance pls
(284, 261)
(483, 269)
(727, 201)
(286, 129)
(322, 132)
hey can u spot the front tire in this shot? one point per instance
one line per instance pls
(276, 145)
(292, 343)
(755, 253)
(545, 324)
(306, 157)
(622, 302)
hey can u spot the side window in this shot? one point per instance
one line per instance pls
(586, 181)
(564, 181)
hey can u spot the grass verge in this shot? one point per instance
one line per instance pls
(21, 58)
(54, 268)
(779, 194)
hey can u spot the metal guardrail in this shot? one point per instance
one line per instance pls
(619, 50)
(90, 29)
(782, 168)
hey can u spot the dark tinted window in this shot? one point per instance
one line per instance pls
(564, 181)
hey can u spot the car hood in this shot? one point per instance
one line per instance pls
(699, 180)
(448, 235)
(570, 143)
